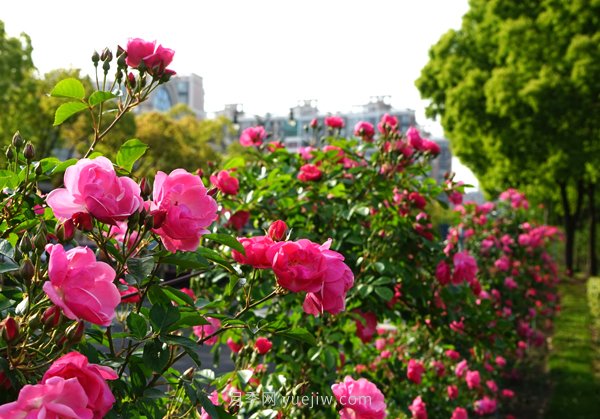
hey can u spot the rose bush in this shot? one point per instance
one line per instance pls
(394, 321)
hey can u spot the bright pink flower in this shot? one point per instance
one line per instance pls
(431, 147)
(418, 409)
(366, 331)
(158, 62)
(336, 122)
(226, 183)
(455, 197)
(485, 406)
(238, 220)
(252, 136)
(461, 368)
(275, 145)
(130, 294)
(306, 152)
(214, 399)
(442, 273)
(277, 230)
(387, 124)
(206, 330)
(91, 377)
(460, 413)
(137, 49)
(500, 361)
(452, 392)
(452, 354)
(380, 344)
(502, 264)
(309, 173)
(298, 266)
(465, 267)
(473, 379)
(365, 130)
(234, 346)
(92, 186)
(189, 292)
(82, 287)
(414, 138)
(263, 345)
(491, 384)
(510, 283)
(415, 371)
(439, 367)
(360, 399)
(314, 123)
(509, 394)
(256, 251)
(187, 209)
(57, 398)
(417, 199)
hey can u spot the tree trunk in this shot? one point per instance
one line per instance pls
(593, 268)
(570, 222)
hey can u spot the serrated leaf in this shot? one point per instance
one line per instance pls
(163, 316)
(137, 325)
(99, 97)
(70, 88)
(129, 152)
(67, 110)
(227, 240)
(385, 293)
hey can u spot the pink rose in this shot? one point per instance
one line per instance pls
(485, 406)
(366, 331)
(360, 399)
(455, 197)
(263, 345)
(460, 413)
(387, 124)
(187, 209)
(415, 371)
(91, 377)
(509, 394)
(205, 330)
(234, 346)
(414, 138)
(431, 147)
(226, 183)
(57, 398)
(452, 354)
(465, 267)
(214, 399)
(252, 136)
(442, 273)
(129, 294)
(334, 122)
(452, 392)
(238, 220)
(491, 384)
(137, 49)
(82, 287)
(298, 266)
(461, 368)
(306, 152)
(277, 230)
(365, 130)
(500, 361)
(256, 251)
(189, 292)
(309, 173)
(158, 62)
(510, 283)
(418, 409)
(473, 379)
(92, 186)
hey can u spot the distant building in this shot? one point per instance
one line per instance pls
(188, 90)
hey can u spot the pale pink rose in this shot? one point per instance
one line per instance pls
(226, 183)
(252, 136)
(418, 408)
(57, 398)
(460, 413)
(263, 345)
(380, 343)
(137, 49)
(205, 330)
(366, 331)
(309, 173)
(92, 378)
(485, 406)
(415, 371)
(473, 379)
(187, 209)
(465, 267)
(334, 122)
(306, 152)
(298, 266)
(256, 251)
(359, 399)
(442, 273)
(365, 130)
(387, 124)
(461, 368)
(92, 186)
(82, 287)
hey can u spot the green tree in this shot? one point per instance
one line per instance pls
(517, 88)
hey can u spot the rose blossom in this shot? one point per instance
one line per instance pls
(465, 267)
(263, 345)
(387, 124)
(277, 230)
(92, 186)
(252, 136)
(414, 138)
(452, 392)
(234, 346)
(91, 377)
(415, 371)
(256, 251)
(366, 331)
(306, 152)
(334, 122)
(238, 220)
(431, 146)
(206, 330)
(156, 61)
(298, 266)
(137, 49)
(442, 273)
(226, 183)
(365, 130)
(461, 368)
(57, 398)
(418, 408)
(473, 379)
(82, 287)
(309, 172)
(360, 399)
(187, 209)
(485, 406)
(460, 413)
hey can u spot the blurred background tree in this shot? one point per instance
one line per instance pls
(517, 88)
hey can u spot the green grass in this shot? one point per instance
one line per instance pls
(574, 356)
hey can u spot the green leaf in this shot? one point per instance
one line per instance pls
(67, 110)
(63, 166)
(8, 178)
(70, 88)
(178, 296)
(140, 268)
(300, 334)
(385, 293)
(217, 258)
(7, 263)
(186, 260)
(163, 316)
(234, 162)
(189, 346)
(156, 295)
(188, 319)
(156, 355)
(227, 240)
(137, 325)
(129, 152)
(99, 97)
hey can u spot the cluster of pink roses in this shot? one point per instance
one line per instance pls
(154, 59)
(71, 388)
(180, 206)
(359, 399)
(301, 266)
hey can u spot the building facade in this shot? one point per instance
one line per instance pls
(187, 90)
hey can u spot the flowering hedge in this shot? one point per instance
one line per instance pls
(320, 271)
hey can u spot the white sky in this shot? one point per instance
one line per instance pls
(264, 54)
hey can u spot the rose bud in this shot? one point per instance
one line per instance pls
(277, 230)
(10, 330)
(263, 345)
